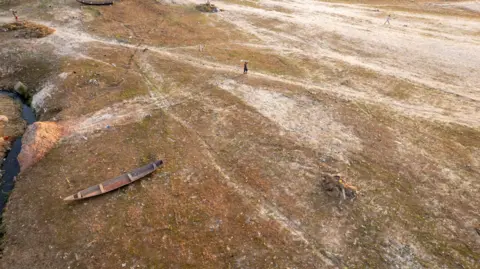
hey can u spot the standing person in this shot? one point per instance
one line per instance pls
(388, 20)
(245, 67)
(14, 13)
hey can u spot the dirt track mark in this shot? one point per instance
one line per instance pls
(316, 128)
(388, 42)
(74, 39)
(70, 41)
(265, 209)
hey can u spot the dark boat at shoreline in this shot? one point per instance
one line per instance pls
(115, 183)
(96, 2)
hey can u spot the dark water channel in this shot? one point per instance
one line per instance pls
(10, 166)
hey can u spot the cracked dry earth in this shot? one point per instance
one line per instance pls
(395, 110)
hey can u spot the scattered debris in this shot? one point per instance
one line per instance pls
(20, 88)
(207, 7)
(116, 183)
(399, 255)
(27, 29)
(346, 82)
(93, 82)
(334, 186)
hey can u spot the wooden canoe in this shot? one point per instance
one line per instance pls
(116, 183)
(96, 2)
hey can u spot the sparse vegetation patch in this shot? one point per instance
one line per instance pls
(26, 29)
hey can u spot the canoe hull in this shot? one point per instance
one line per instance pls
(115, 183)
(96, 2)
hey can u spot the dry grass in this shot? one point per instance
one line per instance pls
(381, 165)
(162, 25)
(248, 3)
(209, 8)
(418, 7)
(181, 215)
(271, 24)
(401, 91)
(26, 29)
(30, 68)
(267, 61)
(281, 9)
(236, 188)
(92, 85)
(434, 10)
(186, 214)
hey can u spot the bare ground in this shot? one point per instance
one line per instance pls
(393, 109)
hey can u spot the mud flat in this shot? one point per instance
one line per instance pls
(390, 111)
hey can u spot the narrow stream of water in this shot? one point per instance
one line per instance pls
(11, 166)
